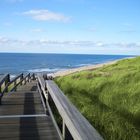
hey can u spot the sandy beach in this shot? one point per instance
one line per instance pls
(90, 67)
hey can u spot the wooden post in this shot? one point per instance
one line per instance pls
(15, 84)
(29, 77)
(7, 81)
(63, 130)
(33, 76)
(0, 95)
(24, 81)
(0, 99)
(21, 78)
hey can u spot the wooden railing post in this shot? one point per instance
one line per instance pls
(33, 76)
(63, 130)
(0, 99)
(15, 82)
(0, 94)
(6, 82)
(21, 78)
(28, 78)
(0, 88)
(25, 81)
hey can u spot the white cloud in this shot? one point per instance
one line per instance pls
(91, 47)
(45, 42)
(46, 15)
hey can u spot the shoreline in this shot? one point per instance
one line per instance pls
(64, 72)
(84, 68)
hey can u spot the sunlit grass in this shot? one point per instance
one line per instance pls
(108, 97)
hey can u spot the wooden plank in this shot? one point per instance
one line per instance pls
(28, 87)
(78, 126)
(20, 102)
(22, 96)
(42, 137)
(21, 112)
(21, 92)
(27, 128)
(31, 133)
(32, 138)
(40, 126)
(12, 120)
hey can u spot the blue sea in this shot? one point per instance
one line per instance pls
(15, 63)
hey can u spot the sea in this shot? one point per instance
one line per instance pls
(15, 63)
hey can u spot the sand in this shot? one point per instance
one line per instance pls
(89, 67)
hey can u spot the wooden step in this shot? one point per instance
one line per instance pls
(38, 128)
(28, 87)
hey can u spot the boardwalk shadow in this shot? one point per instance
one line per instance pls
(28, 125)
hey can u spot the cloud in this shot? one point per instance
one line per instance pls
(4, 41)
(46, 15)
(45, 42)
(54, 46)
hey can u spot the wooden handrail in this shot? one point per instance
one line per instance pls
(15, 78)
(6, 80)
(76, 123)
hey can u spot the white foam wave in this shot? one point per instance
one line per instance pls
(12, 76)
(43, 70)
(81, 65)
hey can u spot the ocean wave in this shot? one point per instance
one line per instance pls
(81, 65)
(12, 76)
(44, 70)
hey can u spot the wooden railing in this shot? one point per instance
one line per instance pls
(3, 82)
(7, 85)
(74, 124)
(15, 81)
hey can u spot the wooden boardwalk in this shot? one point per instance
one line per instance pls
(23, 116)
(32, 107)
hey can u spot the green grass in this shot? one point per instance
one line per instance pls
(108, 97)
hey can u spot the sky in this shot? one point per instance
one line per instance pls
(70, 26)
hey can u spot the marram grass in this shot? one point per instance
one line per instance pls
(108, 97)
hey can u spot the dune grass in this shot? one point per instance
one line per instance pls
(108, 97)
